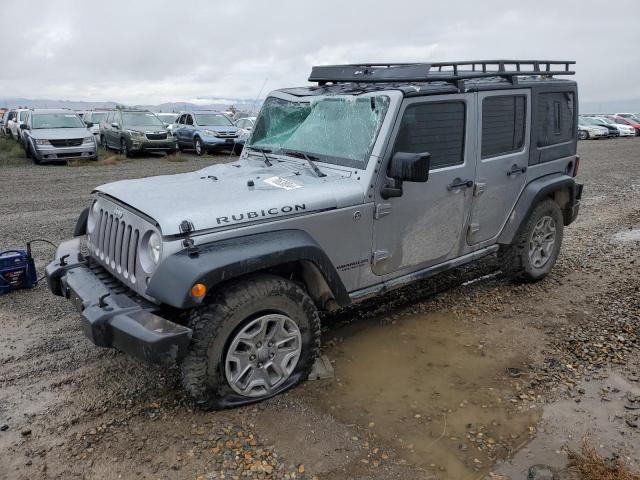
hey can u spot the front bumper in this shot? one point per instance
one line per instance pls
(213, 143)
(47, 153)
(111, 318)
(146, 145)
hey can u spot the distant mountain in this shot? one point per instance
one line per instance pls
(239, 104)
(618, 106)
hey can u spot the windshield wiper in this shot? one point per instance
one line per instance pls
(264, 152)
(308, 158)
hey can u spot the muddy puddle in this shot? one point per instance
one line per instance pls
(426, 386)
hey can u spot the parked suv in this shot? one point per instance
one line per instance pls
(52, 135)
(3, 122)
(14, 123)
(376, 178)
(135, 131)
(92, 120)
(206, 131)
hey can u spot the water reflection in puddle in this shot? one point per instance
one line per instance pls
(426, 386)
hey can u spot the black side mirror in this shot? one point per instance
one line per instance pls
(115, 125)
(89, 124)
(406, 167)
(24, 126)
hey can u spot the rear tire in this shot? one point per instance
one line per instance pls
(536, 246)
(238, 353)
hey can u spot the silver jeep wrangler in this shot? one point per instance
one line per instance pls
(375, 177)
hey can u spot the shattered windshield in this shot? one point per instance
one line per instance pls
(338, 129)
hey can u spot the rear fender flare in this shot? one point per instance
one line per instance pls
(532, 194)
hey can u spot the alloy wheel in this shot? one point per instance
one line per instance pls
(262, 355)
(542, 241)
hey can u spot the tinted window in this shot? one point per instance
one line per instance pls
(436, 128)
(555, 122)
(189, 120)
(503, 124)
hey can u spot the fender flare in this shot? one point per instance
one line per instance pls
(533, 193)
(81, 224)
(224, 260)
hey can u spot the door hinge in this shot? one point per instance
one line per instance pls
(382, 209)
(479, 189)
(380, 256)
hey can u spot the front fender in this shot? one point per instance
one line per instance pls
(225, 260)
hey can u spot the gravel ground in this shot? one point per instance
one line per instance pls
(69, 409)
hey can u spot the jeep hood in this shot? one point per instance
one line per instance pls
(235, 194)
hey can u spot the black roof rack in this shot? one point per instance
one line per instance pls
(438, 71)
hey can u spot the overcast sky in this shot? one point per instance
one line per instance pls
(137, 51)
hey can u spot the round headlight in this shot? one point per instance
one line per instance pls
(94, 212)
(155, 247)
(150, 251)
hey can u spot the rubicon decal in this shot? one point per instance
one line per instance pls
(269, 212)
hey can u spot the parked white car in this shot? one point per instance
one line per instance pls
(14, 124)
(625, 130)
(245, 125)
(591, 132)
(169, 119)
(92, 120)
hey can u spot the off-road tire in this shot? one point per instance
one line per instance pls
(514, 258)
(215, 323)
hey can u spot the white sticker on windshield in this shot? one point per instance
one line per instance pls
(282, 183)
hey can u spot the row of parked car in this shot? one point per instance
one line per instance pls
(591, 127)
(49, 135)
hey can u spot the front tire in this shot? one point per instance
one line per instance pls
(257, 338)
(536, 246)
(198, 147)
(583, 135)
(124, 149)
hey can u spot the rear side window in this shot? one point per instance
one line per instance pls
(437, 128)
(503, 124)
(556, 114)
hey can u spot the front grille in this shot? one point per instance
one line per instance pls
(227, 134)
(67, 142)
(115, 244)
(156, 136)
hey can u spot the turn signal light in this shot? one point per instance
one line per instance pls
(198, 290)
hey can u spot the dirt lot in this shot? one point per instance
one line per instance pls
(482, 380)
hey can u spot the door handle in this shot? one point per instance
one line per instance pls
(516, 170)
(458, 183)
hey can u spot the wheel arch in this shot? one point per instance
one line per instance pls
(559, 187)
(291, 254)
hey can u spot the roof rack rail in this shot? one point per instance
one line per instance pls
(438, 71)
